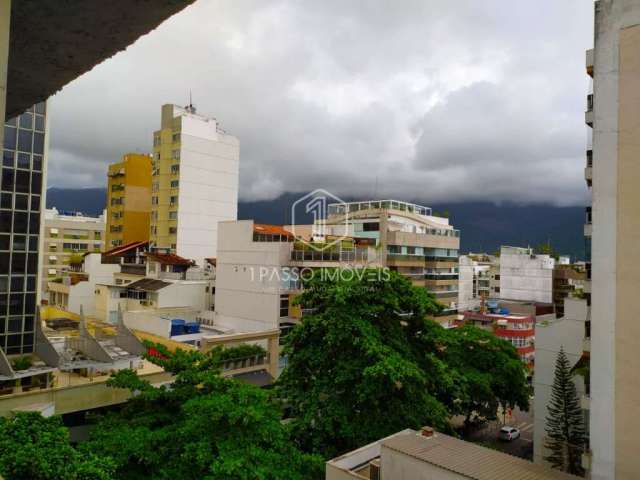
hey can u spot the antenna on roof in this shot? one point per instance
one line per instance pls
(190, 108)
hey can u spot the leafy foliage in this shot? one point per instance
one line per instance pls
(368, 363)
(565, 423)
(240, 351)
(36, 448)
(22, 363)
(204, 426)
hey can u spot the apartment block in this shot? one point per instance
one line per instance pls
(517, 329)
(67, 237)
(412, 241)
(476, 273)
(613, 112)
(194, 183)
(525, 275)
(128, 200)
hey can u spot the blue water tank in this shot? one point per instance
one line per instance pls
(178, 327)
(192, 327)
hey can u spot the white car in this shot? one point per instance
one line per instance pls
(509, 433)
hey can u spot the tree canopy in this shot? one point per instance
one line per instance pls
(369, 362)
(33, 447)
(203, 426)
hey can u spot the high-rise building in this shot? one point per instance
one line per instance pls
(417, 244)
(129, 200)
(613, 112)
(21, 203)
(194, 184)
(67, 237)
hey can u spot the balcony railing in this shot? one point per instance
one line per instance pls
(357, 255)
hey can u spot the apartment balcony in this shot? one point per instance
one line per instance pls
(588, 114)
(589, 62)
(433, 238)
(133, 269)
(358, 255)
(588, 170)
(588, 222)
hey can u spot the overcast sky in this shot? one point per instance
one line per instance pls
(438, 100)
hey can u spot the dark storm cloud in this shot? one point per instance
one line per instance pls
(438, 100)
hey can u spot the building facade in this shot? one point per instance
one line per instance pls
(194, 183)
(411, 240)
(128, 200)
(22, 192)
(475, 275)
(613, 112)
(67, 237)
(525, 275)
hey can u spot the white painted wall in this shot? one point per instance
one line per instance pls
(209, 171)
(567, 332)
(245, 300)
(524, 276)
(83, 293)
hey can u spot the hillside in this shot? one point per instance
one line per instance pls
(484, 226)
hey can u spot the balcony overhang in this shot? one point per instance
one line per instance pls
(52, 42)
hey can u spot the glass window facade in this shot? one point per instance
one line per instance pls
(21, 185)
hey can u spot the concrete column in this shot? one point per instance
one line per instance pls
(5, 20)
(274, 353)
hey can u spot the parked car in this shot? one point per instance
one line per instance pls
(509, 433)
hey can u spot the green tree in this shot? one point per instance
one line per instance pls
(486, 371)
(369, 363)
(565, 422)
(203, 426)
(36, 448)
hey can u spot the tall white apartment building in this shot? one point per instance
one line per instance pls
(194, 183)
(613, 112)
(525, 275)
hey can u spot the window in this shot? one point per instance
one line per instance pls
(155, 186)
(173, 215)
(173, 200)
(175, 154)
(175, 183)
(175, 137)
(371, 227)
(284, 306)
(175, 169)
(154, 200)
(173, 230)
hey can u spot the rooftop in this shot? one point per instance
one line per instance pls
(453, 457)
(350, 207)
(122, 249)
(147, 285)
(470, 460)
(271, 229)
(168, 259)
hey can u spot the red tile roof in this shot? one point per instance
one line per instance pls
(271, 229)
(168, 259)
(125, 248)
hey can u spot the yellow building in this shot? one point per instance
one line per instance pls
(128, 200)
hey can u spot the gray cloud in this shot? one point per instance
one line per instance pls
(442, 101)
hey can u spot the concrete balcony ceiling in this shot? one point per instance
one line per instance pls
(52, 42)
